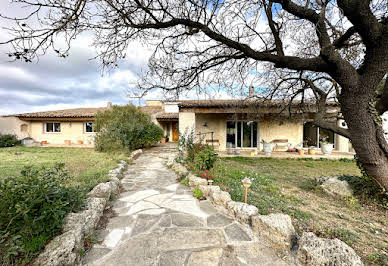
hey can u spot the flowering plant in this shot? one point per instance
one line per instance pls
(207, 175)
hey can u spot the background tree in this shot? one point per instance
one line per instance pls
(201, 44)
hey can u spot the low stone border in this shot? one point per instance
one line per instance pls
(66, 249)
(275, 228)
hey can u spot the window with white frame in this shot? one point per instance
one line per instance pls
(89, 127)
(52, 127)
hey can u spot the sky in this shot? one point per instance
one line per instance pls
(55, 83)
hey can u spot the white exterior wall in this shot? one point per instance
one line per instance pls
(186, 122)
(342, 144)
(171, 108)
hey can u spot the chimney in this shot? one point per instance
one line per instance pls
(109, 105)
(251, 91)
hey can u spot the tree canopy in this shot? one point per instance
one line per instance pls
(311, 49)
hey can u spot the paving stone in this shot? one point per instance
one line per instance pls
(144, 223)
(113, 238)
(185, 220)
(208, 257)
(141, 250)
(143, 207)
(185, 238)
(95, 254)
(218, 220)
(120, 222)
(207, 207)
(165, 221)
(236, 233)
(140, 195)
(159, 199)
(173, 258)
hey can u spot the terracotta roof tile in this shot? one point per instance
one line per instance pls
(151, 109)
(240, 103)
(68, 113)
(167, 116)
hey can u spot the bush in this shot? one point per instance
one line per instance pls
(8, 141)
(125, 127)
(205, 158)
(32, 210)
(197, 193)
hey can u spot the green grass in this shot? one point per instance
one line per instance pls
(86, 165)
(289, 186)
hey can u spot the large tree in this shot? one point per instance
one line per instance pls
(208, 43)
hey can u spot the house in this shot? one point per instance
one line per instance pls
(246, 123)
(76, 126)
(222, 123)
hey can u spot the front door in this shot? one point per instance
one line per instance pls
(175, 133)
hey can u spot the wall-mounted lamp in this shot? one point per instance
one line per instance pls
(204, 124)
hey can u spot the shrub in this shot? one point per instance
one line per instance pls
(205, 158)
(32, 210)
(185, 182)
(125, 127)
(197, 193)
(8, 141)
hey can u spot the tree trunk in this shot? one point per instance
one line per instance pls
(366, 134)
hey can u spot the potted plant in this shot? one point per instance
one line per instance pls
(267, 147)
(326, 147)
(229, 149)
(237, 151)
(300, 151)
(311, 150)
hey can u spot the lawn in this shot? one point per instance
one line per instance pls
(87, 166)
(288, 186)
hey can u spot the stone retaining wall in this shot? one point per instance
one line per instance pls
(275, 228)
(66, 249)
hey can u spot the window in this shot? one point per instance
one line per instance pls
(313, 135)
(53, 127)
(241, 134)
(89, 127)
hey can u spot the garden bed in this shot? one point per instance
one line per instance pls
(288, 186)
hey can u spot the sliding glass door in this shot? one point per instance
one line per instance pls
(241, 134)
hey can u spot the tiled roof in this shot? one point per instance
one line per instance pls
(240, 103)
(152, 109)
(80, 112)
(68, 113)
(167, 116)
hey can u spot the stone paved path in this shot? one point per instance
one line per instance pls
(158, 222)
